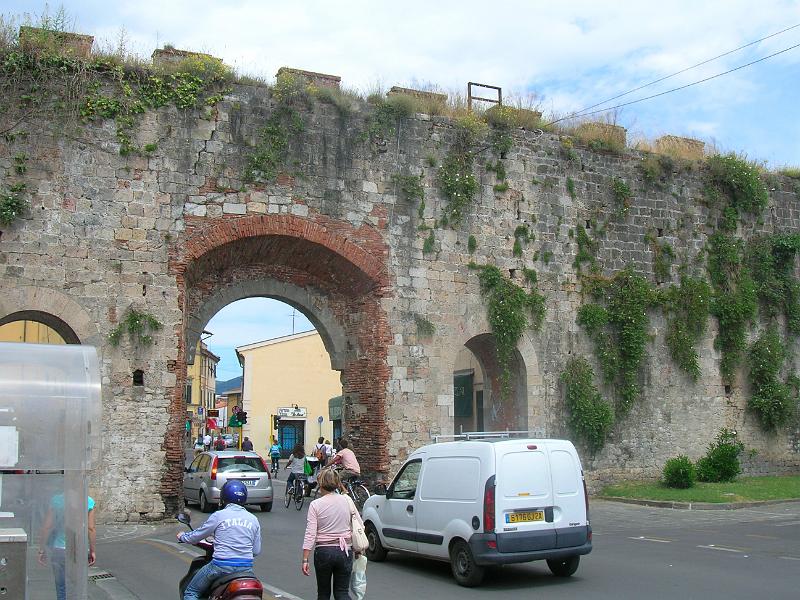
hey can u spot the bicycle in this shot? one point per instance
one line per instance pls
(355, 488)
(274, 469)
(296, 491)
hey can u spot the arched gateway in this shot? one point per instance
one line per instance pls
(321, 267)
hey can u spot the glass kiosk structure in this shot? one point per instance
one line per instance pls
(50, 407)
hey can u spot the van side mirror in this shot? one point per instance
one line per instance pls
(380, 489)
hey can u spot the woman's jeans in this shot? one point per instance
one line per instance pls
(331, 561)
(57, 562)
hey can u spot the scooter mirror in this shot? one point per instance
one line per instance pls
(184, 518)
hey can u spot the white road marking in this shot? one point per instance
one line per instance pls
(790, 557)
(646, 539)
(721, 548)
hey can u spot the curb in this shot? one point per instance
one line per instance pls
(695, 505)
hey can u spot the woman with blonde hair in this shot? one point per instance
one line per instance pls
(328, 533)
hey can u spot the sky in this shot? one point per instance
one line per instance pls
(569, 55)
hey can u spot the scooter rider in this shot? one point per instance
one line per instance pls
(237, 539)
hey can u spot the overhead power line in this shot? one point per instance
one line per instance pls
(682, 87)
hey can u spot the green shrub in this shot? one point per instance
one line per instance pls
(679, 473)
(721, 462)
(772, 399)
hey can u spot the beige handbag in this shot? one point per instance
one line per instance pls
(359, 537)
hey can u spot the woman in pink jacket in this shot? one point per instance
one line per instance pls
(328, 533)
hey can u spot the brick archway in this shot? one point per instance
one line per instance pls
(333, 272)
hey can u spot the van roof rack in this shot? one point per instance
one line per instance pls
(481, 435)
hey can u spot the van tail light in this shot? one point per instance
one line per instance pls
(489, 506)
(266, 470)
(214, 469)
(585, 497)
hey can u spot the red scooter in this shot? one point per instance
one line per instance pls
(242, 585)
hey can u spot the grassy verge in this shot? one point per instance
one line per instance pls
(744, 489)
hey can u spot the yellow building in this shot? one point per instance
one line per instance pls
(289, 380)
(200, 391)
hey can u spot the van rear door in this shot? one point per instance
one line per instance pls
(523, 497)
(569, 504)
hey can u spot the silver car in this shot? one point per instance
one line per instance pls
(209, 471)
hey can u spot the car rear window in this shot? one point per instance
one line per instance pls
(240, 464)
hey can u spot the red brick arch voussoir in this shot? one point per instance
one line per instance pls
(333, 235)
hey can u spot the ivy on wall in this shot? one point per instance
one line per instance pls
(510, 310)
(457, 180)
(591, 417)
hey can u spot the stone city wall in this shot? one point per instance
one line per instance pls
(106, 232)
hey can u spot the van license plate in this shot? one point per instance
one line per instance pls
(525, 517)
(250, 482)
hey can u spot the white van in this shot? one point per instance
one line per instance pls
(483, 501)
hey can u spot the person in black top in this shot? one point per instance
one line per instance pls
(247, 445)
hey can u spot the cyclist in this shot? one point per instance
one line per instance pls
(237, 539)
(297, 464)
(347, 459)
(275, 454)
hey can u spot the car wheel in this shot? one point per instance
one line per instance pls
(375, 551)
(564, 567)
(205, 506)
(466, 571)
(266, 507)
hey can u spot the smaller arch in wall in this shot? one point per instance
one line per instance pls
(53, 322)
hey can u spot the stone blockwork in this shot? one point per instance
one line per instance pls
(178, 233)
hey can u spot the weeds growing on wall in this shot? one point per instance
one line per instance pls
(587, 249)
(771, 260)
(590, 416)
(472, 244)
(772, 400)
(511, 310)
(734, 301)
(456, 178)
(12, 202)
(425, 328)
(619, 329)
(270, 155)
(622, 194)
(687, 308)
(739, 180)
(139, 327)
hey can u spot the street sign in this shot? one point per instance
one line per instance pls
(320, 419)
(236, 409)
(213, 412)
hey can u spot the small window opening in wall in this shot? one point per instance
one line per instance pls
(588, 224)
(727, 390)
(660, 232)
(138, 377)
(512, 273)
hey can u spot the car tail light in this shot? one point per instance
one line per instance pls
(266, 470)
(488, 506)
(214, 469)
(244, 585)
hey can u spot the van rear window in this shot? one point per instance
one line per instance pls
(565, 473)
(243, 464)
(451, 478)
(524, 474)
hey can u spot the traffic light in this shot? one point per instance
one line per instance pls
(275, 420)
(241, 416)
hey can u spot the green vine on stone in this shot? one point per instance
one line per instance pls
(12, 203)
(619, 329)
(424, 327)
(456, 177)
(590, 415)
(687, 308)
(137, 325)
(622, 194)
(772, 400)
(510, 310)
